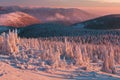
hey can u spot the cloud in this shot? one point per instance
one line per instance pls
(57, 16)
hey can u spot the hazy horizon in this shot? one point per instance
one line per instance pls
(63, 3)
(93, 6)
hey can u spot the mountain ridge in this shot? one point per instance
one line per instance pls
(111, 21)
(70, 15)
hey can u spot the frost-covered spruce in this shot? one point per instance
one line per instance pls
(108, 63)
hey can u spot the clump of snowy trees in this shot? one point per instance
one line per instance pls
(43, 54)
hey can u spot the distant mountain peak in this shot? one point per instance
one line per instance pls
(17, 19)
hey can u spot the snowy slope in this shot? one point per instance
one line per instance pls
(8, 72)
(17, 19)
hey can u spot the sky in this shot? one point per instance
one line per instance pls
(93, 5)
(63, 3)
